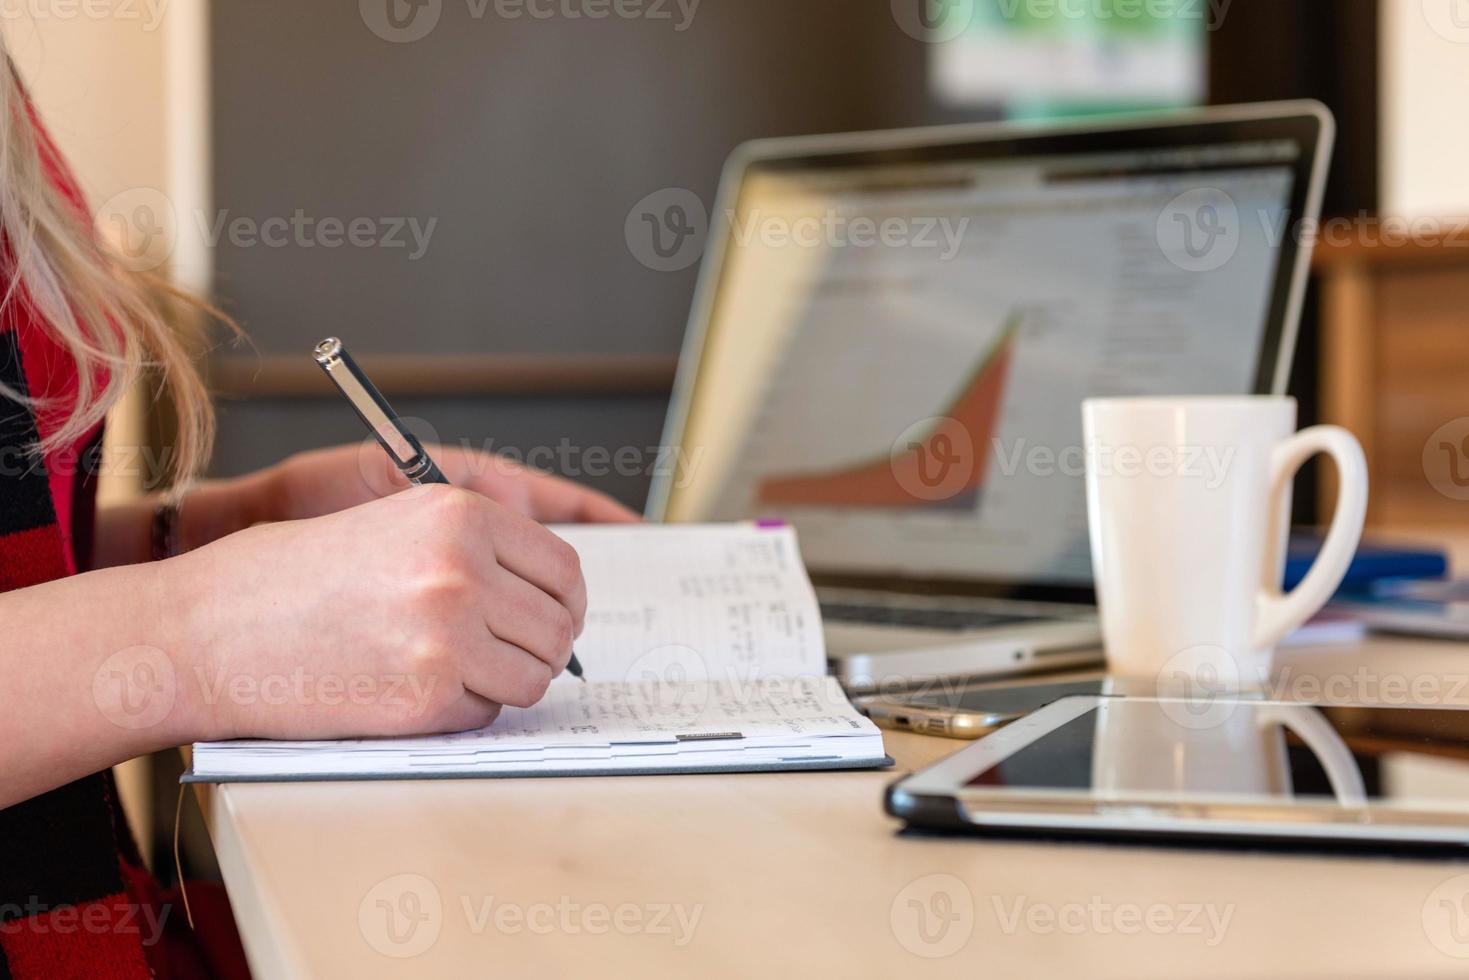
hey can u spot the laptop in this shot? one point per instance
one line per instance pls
(893, 334)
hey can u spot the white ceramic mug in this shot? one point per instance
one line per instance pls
(1189, 507)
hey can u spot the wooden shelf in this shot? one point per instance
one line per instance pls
(1368, 243)
(1394, 361)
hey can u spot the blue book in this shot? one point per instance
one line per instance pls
(1372, 563)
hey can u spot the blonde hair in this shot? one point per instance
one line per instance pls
(119, 326)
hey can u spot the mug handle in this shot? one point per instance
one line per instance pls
(1276, 614)
(1312, 728)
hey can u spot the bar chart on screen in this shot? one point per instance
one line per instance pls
(941, 462)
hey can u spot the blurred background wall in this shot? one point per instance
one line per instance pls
(1425, 77)
(514, 148)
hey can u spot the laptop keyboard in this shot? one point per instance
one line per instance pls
(934, 618)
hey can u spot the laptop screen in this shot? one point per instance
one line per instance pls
(896, 354)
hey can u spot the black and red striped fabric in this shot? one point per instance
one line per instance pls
(66, 858)
(75, 900)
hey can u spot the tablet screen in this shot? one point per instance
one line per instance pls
(1266, 752)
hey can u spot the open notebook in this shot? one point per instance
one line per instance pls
(703, 653)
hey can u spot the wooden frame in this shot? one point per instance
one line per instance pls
(1395, 356)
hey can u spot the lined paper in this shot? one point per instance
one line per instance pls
(676, 603)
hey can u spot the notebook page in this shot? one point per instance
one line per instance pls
(688, 603)
(612, 713)
(593, 726)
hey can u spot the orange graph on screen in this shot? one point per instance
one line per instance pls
(941, 463)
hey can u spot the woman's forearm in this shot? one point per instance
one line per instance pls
(211, 510)
(94, 675)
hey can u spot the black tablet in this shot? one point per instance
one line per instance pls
(1219, 768)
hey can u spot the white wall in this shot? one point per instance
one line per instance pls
(99, 83)
(1425, 107)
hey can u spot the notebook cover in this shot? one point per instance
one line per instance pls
(806, 765)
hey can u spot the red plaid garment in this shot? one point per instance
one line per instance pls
(75, 900)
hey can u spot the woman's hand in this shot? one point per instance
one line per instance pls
(327, 480)
(420, 612)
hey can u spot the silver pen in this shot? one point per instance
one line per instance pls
(402, 446)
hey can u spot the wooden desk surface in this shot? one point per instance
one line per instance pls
(802, 875)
